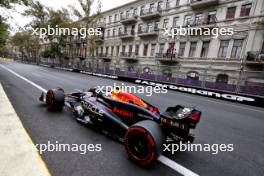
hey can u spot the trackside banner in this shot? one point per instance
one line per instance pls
(216, 94)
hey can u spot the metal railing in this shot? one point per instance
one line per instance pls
(233, 81)
(129, 16)
(143, 30)
(128, 54)
(150, 11)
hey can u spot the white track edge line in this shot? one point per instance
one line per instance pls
(163, 159)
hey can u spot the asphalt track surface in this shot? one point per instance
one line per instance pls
(222, 123)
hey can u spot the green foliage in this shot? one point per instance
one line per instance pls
(26, 43)
(3, 32)
(7, 3)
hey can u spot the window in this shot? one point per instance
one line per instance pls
(112, 50)
(132, 30)
(262, 50)
(182, 49)
(119, 31)
(117, 50)
(114, 32)
(135, 12)
(110, 19)
(156, 25)
(108, 33)
(175, 21)
(145, 51)
(165, 23)
(205, 49)
(116, 17)
(142, 8)
(130, 48)
(192, 49)
(127, 13)
(121, 15)
(160, 4)
(153, 48)
(187, 20)
(193, 75)
(245, 10)
(149, 27)
(211, 17)
(223, 48)
(177, 3)
(222, 78)
(140, 28)
(124, 48)
(106, 50)
(231, 11)
(161, 48)
(198, 19)
(136, 50)
(168, 4)
(237, 47)
(151, 8)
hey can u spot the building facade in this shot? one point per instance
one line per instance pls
(133, 39)
(134, 43)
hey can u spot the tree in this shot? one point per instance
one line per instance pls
(7, 3)
(39, 13)
(3, 26)
(88, 20)
(26, 44)
(44, 17)
(3, 32)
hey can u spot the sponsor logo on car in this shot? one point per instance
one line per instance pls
(123, 112)
(91, 108)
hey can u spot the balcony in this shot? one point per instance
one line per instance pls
(129, 56)
(167, 58)
(100, 39)
(202, 4)
(128, 19)
(148, 32)
(101, 25)
(127, 34)
(105, 56)
(149, 14)
(255, 58)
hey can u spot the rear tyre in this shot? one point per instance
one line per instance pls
(55, 99)
(144, 141)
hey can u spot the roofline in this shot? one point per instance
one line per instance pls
(115, 8)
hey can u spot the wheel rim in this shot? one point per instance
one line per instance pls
(140, 146)
(50, 98)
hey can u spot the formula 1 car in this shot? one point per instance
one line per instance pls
(127, 118)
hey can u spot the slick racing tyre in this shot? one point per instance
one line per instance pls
(143, 142)
(55, 99)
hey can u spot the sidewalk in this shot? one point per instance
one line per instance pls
(18, 155)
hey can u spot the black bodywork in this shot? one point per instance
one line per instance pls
(114, 118)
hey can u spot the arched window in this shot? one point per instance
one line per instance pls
(167, 72)
(193, 75)
(146, 70)
(222, 78)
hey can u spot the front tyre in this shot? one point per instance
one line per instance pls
(143, 142)
(55, 99)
